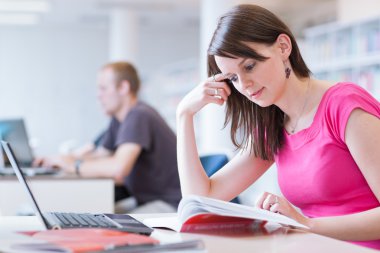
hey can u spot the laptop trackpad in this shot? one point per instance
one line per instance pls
(128, 222)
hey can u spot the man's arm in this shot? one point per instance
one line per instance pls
(90, 151)
(117, 166)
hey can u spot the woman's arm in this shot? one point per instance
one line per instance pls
(233, 178)
(362, 138)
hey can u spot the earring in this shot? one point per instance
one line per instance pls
(287, 72)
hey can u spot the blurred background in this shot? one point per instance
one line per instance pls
(51, 50)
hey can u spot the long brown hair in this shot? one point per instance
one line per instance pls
(262, 127)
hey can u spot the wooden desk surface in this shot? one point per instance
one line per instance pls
(291, 242)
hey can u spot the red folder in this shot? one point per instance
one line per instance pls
(91, 239)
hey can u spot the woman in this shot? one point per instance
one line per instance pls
(323, 137)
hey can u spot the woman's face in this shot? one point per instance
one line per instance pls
(262, 82)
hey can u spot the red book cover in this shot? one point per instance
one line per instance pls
(80, 240)
(212, 222)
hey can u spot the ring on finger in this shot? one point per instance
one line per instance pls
(216, 92)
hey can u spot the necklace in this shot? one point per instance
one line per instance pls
(293, 128)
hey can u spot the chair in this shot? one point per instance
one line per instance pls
(212, 163)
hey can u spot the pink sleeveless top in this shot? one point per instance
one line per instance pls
(316, 171)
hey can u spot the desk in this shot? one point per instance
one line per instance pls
(278, 243)
(57, 193)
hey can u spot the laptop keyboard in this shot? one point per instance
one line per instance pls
(75, 220)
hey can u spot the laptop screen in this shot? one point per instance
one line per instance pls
(14, 131)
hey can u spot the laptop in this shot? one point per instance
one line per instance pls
(14, 131)
(59, 220)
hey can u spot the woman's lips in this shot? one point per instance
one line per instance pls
(257, 93)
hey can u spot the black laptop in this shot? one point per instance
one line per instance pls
(59, 220)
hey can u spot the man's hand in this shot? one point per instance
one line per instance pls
(63, 162)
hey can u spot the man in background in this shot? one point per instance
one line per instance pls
(120, 192)
(137, 150)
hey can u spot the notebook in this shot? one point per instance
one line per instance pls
(59, 220)
(14, 131)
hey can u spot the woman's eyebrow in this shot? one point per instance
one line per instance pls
(239, 64)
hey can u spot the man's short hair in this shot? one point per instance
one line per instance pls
(125, 71)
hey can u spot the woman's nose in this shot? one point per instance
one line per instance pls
(245, 83)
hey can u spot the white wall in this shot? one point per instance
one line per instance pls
(350, 10)
(47, 76)
(166, 45)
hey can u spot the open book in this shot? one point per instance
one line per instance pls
(197, 214)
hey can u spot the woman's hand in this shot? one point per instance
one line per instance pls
(276, 204)
(214, 90)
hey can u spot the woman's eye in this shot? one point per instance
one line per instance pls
(250, 66)
(233, 78)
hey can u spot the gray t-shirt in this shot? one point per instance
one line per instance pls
(155, 174)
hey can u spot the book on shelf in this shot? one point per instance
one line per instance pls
(202, 214)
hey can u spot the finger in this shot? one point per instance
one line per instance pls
(228, 89)
(211, 79)
(37, 162)
(260, 200)
(269, 201)
(219, 85)
(219, 77)
(218, 90)
(216, 77)
(216, 100)
(212, 91)
(223, 94)
(275, 208)
(47, 164)
(217, 93)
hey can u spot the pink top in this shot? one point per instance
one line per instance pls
(316, 171)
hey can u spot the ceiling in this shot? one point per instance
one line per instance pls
(297, 13)
(95, 12)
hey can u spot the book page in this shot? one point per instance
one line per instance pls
(196, 204)
(172, 223)
(190, 209)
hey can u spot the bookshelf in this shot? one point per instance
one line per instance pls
(346, 52)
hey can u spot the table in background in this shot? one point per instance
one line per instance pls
(57, 193)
